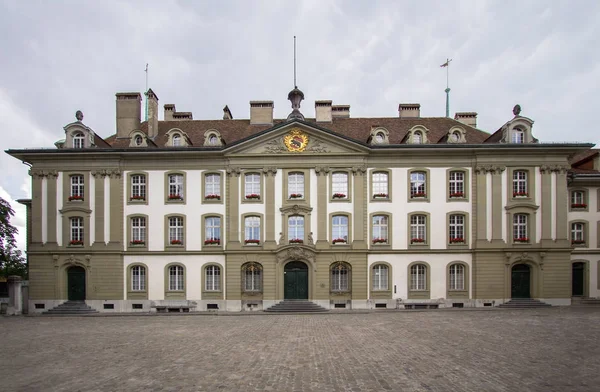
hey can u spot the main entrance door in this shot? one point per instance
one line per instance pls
(521, 281)
(76, 284)
(296, 280)
(577, 277)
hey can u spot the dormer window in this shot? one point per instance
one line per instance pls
(212, 138)
(78, 140)
(518, 136)
(138, 140)
(457, 135)
(417, 137)
(176, 140)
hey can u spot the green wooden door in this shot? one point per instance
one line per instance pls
(577, 277)
(76, 284)
(521, 281)
(296, 280)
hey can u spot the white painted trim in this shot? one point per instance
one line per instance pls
(44, 210)
(59, 206)
(106, 210)
(488, 206)
(538, 201)
(553, 206)
(504, 203)
(92, 192)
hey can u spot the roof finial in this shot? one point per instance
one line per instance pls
(295, 96)
(79, 115)
(295, 84)
(146, 93)
(517, 110)
(447, 90)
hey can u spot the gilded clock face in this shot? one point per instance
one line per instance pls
(296, 140)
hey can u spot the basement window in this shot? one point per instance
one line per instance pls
(380, 306)
(339, 306)
(137, 306)
(458, 305)
(212, 306)
(40, 306)
(109, 306)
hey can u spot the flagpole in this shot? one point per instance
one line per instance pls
(447, 90)
(146, 93)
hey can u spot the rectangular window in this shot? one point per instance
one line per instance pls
(138, 231)
(380, 229)
(577, 233)
(380, 277)
(457, 185)
(457, 229)
(252, 230)
(213, 278)
(520, 184)
(76, 231)
(296, 185)
(518, 136)
(252, 278)
(418, 183)
(212, 187)
(212, 231)
(77, 187)
(339, 185)
(520, 233)
(252, 185)
(138, 187)
(418, 229)
(176, 187)
(176, 278)
(138, 278)
(380, 185)
(339, 229)
(418, 277)
(296, 229)
(457, 277)
(578, 199)
(339, 278)
(176, 230)
(78, 140)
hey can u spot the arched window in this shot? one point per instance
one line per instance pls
(77, 187)
(418, 184)
(176, 140)
(138, 231)
(578, 200)
(76, 230)
(212, 140)
(520, 183)
(339, 185)
(456, 229)
(176, 278)
(296, 229)
(252, 230)
(457, 277)
(138, 187)
(212, 278)
(417, 137)
(138, 140)
(78, 140)
(295, 185)
(418, 277)
(418, 229)
(380, 185)
(340, 277)
(380, 277)
(339, 229)
(212, 186)
(138, 278)
(578, 233)
(380, 229)
(456, 185)
(252, 186)
(252, 277)
(520, 228)
(176, 230)
(176, 187)
(212, 230)
(518, 136)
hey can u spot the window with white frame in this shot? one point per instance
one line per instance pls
(138, 278)
(252, 186)
(456, 229)
(457, 185)
(578, 233)
(77, 187)
(518, 136)
(176, 187)
(252, 273)
(138, 140)
(380, 185)
(520, 183)
(212, 230)
(380, 229)
(176, 140)
(418, 229)
(339, 185)
(138, 231)
(252, 230)
(76, 231)
(578, 199)
(339, 229)
(176, 278)
(418, 184)
(138, 187)
(176, 230)
(78, 140)
(520, 230)
(212, 186)
(417, 137)
(418, 277)
(295, 185)
(296, 229)
(457, 277)
(380, 277)
(212, 278)
(340, 277)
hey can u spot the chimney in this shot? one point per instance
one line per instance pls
(129, 106)
(152, 114)
(409, 110)
(227, 113)
(178, 116)
(323, 111)
(169, 110)
(261, 112)
(467, 118)
(340, 111)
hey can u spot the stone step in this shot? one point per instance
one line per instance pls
(299, 306)
(524, 303)
(590, 301)
(71, 307)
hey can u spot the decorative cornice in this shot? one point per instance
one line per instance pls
(359, 170)
(269, 171)
(50, 174)
(322, 170)
(102, 173)
(296, 252)
(296, 209)
(494, 169)
(560, 169)
(233, 171)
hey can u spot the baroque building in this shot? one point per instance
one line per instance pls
(353, 213)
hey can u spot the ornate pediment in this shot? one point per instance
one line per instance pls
(296, 252)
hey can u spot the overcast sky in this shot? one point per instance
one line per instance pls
(58, 57)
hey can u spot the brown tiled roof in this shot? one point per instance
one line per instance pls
(357, 129)
(584, 171)
(582, 157)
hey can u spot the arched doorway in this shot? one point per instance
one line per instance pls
(521, 281)
(295, 279)
(577, 277)
(76, 284)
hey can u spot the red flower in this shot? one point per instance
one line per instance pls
(137, 197)
(212, 197)
(76, 242)
(578, 205)
(380, 240)
(176, 242)
(175, 196)
(418, 194)
(520, 194)
(339, 196)
(457, 194)
(296, 196)
(296, 241)
(75, 197)
(457, 240)
(385, 195)
(417, 240)
(137, 242)
(252, 242)
(253, 196)
(339, 240)
(212, 241)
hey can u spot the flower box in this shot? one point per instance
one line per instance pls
(137, 198)
(578, 205)
(380, 240)
(174, 196)
(417, 240)
(296, 196)
(457, 195)
(76, 198)
(212, 241)
(253, 196)
(520, 194)
(418, 194)
(296, 241)
(380, 196)
(76, 243)
(457, 240)
(137, 243)
(521, 239)
(339, 241)
(252, 242)
(577, 242)
(212, 197)
(339, 196)
(176, 242)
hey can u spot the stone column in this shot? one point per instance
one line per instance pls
(360, 224)
(232, 208)
(562, 199)
(480, 197)
(322, 242)
(36, 205)
(546, 203)
(497, 207)
(269, 174)
(116, 207)
(99, 206)
(15, 302)
(51, 204)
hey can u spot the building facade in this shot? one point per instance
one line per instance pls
(353, 213)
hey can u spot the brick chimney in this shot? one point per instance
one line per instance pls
(129, 107)
(183, 116)
(323, 111)
(340, 111)
(409, 110)
(169, 110)
(152, 114)
(227, 113)
(261, 112)
(467, 118)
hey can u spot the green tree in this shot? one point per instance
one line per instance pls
(11, 259)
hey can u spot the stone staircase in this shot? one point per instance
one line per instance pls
(71, 308)
(524, 303)
(296, 306)
(585, 301)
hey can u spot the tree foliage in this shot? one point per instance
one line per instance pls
(11, 259)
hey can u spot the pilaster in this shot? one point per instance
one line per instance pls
(116, 207)
(480, 216)
(360, 209)
(37, 207)
(269, 173)
(99, 176)
(497, 207)
(51, 205)
(233, 208)
(322, 198)
(562, 200)
(546, 203)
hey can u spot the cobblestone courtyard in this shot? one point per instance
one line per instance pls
(554, 349)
